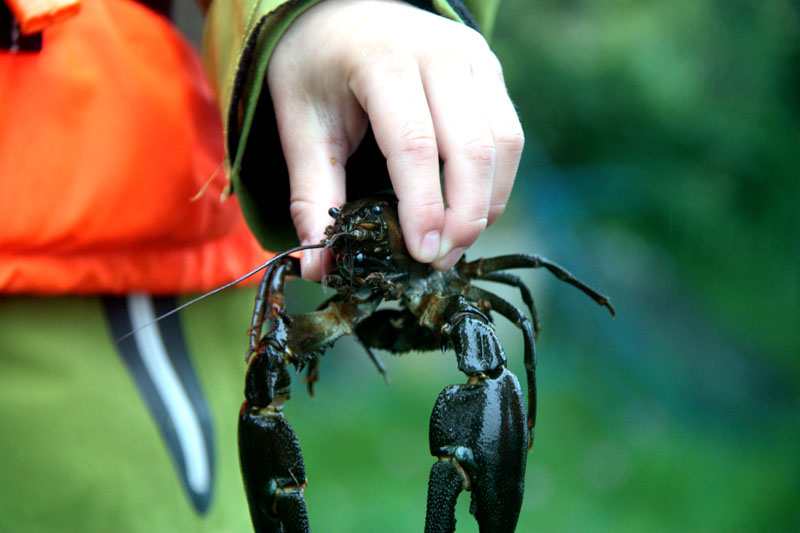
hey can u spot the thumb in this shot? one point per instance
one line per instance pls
(319, 121)
(317, 183)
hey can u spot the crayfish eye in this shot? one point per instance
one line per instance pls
(359, 257)
(335, 212)
(377, 210)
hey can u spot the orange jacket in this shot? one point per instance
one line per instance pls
(106, 135)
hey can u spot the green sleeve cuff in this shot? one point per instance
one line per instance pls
(239, 38)
(485, 12)
(478, 14)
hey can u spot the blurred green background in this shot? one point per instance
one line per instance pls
(661, 165)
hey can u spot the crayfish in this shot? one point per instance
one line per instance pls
(480, 431)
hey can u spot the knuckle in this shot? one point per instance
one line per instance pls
(448, 57)
(469, 233)
(427, 206)
(309, 214)
(301, 210)
(417, 141)
(495, 210)
(387, 61)
(298, 205)
(415, 203)
(512, 141)
(481, 152)
(477, 224)
(379, 64)
(422, 212)
(476, 228)
(471, 224)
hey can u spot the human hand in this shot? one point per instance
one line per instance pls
(429, 87)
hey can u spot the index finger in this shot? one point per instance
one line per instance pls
(390, 90)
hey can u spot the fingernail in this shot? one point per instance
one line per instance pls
(429, 247)
(450, 259)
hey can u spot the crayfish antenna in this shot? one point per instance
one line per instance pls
(220, 289)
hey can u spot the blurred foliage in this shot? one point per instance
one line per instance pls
(671, 133)
(686, 115)
(662, 164)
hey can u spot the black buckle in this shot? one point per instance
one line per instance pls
(11, 38)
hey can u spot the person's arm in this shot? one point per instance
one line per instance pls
(428, 87)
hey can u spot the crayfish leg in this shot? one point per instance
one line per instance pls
(270, 458)
(518, 318)
(481, 267)
(269, 297)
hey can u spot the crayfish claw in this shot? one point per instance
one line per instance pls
(491, 463)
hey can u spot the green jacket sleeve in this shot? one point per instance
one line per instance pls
(239, 38)
(484, 12)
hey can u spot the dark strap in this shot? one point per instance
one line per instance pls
(10, 37)
(158, 360)
(457, 6)
(161, 6)
(12, 40)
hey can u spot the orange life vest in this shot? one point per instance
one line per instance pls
(106, 135)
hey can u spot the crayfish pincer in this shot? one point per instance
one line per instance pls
(480, 431)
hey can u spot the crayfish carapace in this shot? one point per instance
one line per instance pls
(479, 432)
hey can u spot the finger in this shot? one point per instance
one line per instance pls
(509, 139)
(389, 89)
(466, 146)
(315, 157)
